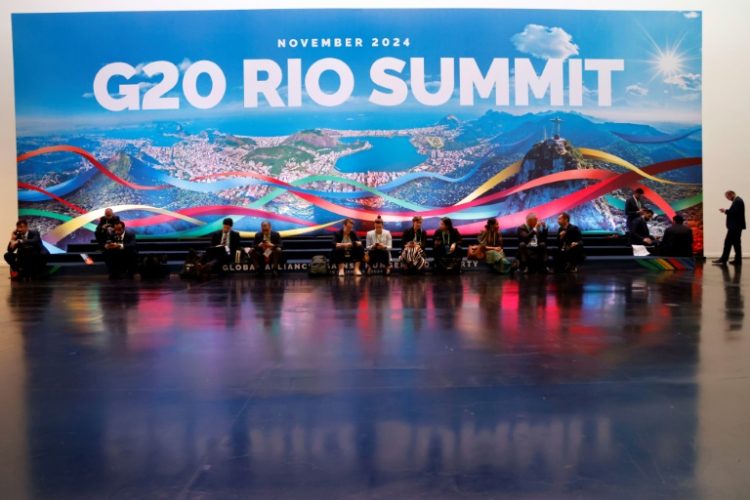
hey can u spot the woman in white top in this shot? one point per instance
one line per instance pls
(378, 245)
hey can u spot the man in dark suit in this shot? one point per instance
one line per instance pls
(225, 244)
(633, 207)
(25, 254)
(735, 225)
(639, 232)
(677, 240)
(121, 252)
(570, 245)
(267, 249)
(106, 226)
(532, 245)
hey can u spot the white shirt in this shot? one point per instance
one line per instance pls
(384, 238)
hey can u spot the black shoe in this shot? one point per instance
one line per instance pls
(736, 262)
(720, 262)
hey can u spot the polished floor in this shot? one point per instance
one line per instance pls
(601, 386)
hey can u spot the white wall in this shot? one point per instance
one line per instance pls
(726, 77)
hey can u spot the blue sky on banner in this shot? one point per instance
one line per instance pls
(57, 56)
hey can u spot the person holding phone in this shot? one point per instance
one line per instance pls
(267, 249)
(25, 251)
(378, 247)
(532, 245)
(347, 248)
(121, 252)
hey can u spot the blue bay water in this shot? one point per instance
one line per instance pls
(387, 154)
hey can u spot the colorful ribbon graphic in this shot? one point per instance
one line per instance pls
(476, 205)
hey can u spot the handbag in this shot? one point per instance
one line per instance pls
(476, 252)
(319, 266)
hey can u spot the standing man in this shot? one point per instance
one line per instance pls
(121, 252)
(735, 225)
(633, 208)
(25, 251)
(224, 245)
(267, 249)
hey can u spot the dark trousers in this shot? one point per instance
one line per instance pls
(121, 262)
(534, 258)
(216, 257)
(352, 254)
(379, 256)
(448, 262)
(26, 262)
(565, 259)
(733, 239)
(260, 260)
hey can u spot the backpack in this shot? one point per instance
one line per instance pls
(319, 266)
(194, 268)
(153, 267)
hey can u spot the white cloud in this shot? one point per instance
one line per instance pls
(636, 89)
(691, 15)
(686, 81)
(545, 42)
(185, 64)
(88, 95)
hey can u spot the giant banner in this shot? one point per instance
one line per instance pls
(303, 118)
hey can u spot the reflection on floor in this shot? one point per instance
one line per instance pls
(622, 386)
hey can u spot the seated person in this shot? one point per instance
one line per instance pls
(121, 252)
(491, 247)
(347, 248)
(106, 226)
(532, 245)
(225, 244)
(415, 241)
(570, 245)
(639, 232)
(267, 249)
(677, 240)
(378, 246)
(26, 254)
(447, 247)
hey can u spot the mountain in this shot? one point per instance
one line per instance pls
(314, 138)
(450, 121)
(511, 132)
